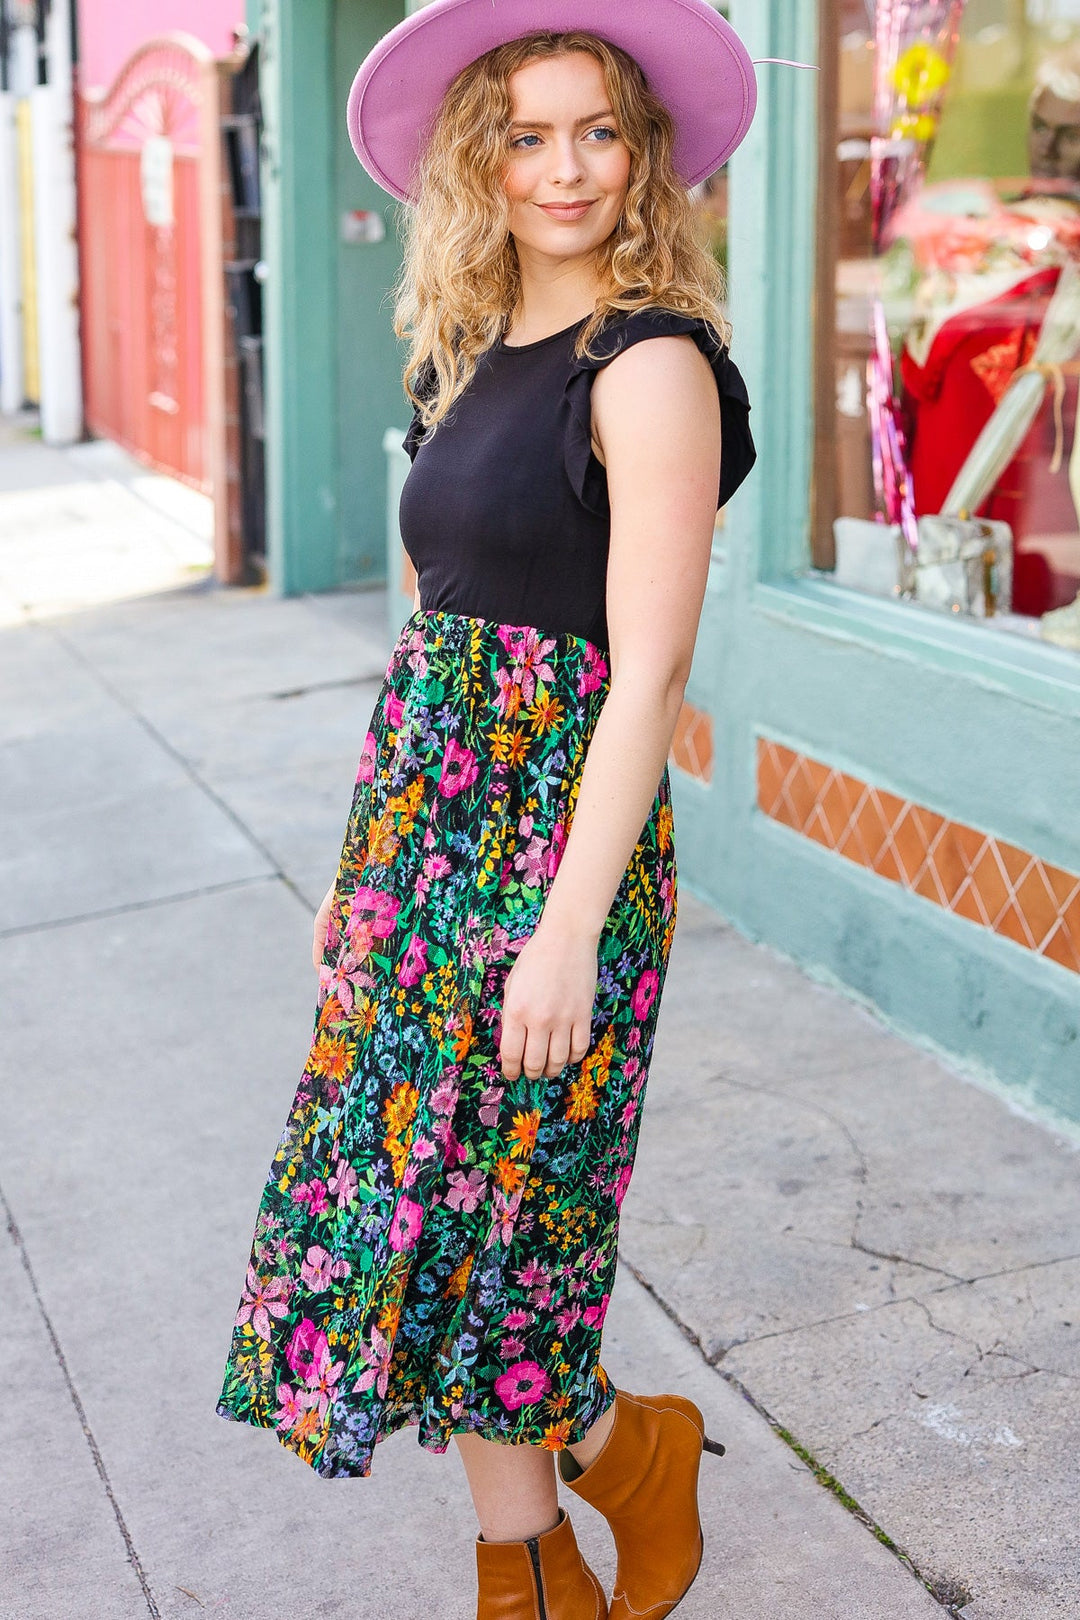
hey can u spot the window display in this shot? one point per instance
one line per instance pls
(952, 466)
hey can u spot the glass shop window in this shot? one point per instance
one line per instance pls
(947, 465)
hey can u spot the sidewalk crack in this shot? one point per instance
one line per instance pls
(80, 1411)
(824, 1478)
(179, 758)
(140, 905)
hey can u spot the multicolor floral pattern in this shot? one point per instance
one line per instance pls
(435, 1246)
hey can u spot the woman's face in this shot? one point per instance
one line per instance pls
(569, 167)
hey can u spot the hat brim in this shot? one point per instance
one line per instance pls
(693, 60)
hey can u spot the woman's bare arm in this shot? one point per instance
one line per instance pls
(656, 415)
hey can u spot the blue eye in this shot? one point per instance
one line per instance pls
(603, 129)
(522, 138)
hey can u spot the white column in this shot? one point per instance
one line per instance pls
(57, 255)
(11, 349)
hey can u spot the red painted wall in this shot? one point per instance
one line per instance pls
(109, 30)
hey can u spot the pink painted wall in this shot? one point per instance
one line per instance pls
(109, 30)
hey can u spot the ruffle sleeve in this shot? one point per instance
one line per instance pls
(425, 387)
(586, 473)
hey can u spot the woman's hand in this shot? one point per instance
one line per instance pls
(322, 922)
(547, 1004)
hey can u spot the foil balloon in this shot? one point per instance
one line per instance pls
(915, 47)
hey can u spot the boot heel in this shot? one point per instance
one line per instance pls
(712, 1445)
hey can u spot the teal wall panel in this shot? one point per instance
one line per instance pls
(332, 369)
(300, 300)
(369, 359)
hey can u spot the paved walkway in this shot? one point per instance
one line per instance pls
(882, 1258)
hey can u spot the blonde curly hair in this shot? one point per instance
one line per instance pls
(460, 280)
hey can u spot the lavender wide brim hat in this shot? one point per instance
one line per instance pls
(693, 60)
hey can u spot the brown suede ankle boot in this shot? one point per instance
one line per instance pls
(644, 1482)
(544, 1578)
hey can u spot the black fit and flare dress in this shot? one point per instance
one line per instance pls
(435, 1245)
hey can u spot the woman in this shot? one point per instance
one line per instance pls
(436, 1242)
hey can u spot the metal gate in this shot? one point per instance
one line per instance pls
(150, 209)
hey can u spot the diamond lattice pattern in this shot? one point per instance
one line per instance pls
(994, 884)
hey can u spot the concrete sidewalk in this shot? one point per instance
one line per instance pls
(883, 1258)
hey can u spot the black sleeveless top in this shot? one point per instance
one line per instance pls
(505, 512)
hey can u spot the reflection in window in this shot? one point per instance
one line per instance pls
(950, 473)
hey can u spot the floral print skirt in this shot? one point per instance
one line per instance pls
(436, 1246)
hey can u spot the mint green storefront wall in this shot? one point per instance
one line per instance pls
(332, 367)
(979, 726)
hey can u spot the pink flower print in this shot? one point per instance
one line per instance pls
(263, 1297)
(343, 1184)
(532, 862)
(382, 907)
(405, 1225)
(503, 1219)
(525, 826)
(321, 1376)
(645, 993)
(593, 674)
(555, 848)
(417, 660)
(594, 1316)
(508, 701)
(459, 770)
(378, 1356)
(422, 1150)
(311, 1193)
(529, 653)
(633, 1039)
(521, 1385)
(393, 709)
(517, 1319)
(489, 1105)
(348, 978)
(366, 769)
(567, 1320)
(413, 964)
(319, 1270)
(510, 1348)
(465, 1192)
(531, 1276)
(290, 1408)
(301, 1348)
(621, 1185)
(360, 932)
(444, 1098)
(453, 1152)
(436, 866)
